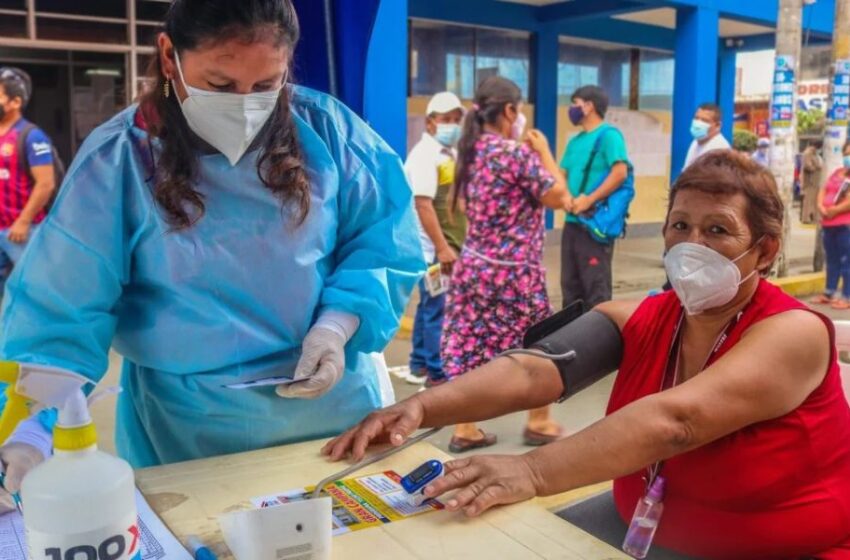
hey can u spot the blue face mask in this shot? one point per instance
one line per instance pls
(699, 129)
(447, 134)
(847, 162)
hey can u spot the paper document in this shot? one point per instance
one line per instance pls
(264, 382)
(359, 503)
(157, 541)
(12, 543)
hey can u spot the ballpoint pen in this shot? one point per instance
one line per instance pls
(15, 496)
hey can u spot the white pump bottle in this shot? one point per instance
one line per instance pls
(80, 503)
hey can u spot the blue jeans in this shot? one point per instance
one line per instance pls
(427, 330)
(10, 254)
(836, 245)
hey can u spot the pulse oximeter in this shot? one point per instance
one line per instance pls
(416, 481)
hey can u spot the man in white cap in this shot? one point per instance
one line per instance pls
(430, 168)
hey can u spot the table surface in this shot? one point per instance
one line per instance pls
(190, 496)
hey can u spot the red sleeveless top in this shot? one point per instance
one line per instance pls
(776, 489)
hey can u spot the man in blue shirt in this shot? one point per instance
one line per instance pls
(591, 178)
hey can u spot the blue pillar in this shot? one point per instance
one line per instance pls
(385, 84)
(544, 64)
(696, 74)
(726, 77)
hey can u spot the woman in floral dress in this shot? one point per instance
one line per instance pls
(498, 286)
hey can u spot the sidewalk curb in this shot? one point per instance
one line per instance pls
(802, 284)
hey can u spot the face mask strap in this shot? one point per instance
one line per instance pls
(180, 70)
(742, 255)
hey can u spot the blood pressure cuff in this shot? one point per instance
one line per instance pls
(592, 337)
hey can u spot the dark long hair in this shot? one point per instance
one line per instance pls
(190, 23)
(491, 98)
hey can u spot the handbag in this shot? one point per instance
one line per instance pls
(606, 221)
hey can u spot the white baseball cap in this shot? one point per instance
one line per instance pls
(444, 102)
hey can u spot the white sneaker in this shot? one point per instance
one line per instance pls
(400, 371)
(416, 379)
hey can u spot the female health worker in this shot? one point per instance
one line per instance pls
(230, 227)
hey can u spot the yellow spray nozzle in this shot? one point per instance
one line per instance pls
(16, 407)
(9, 372)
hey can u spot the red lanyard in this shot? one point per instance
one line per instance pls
(671, 369)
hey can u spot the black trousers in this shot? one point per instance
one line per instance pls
(585, 267)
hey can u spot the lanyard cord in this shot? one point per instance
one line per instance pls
(671, 371)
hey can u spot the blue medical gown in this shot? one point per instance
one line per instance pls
(229, 299)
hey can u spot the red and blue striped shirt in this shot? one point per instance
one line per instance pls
(16, 182)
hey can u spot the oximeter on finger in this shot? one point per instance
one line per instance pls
(415, 482)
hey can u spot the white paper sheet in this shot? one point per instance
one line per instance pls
(265, 382)
(157, 541)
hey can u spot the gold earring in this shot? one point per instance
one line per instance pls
(166, 89)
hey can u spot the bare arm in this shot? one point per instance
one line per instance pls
(430, 222)
(759, 379)
(612, 182)
(505, 385)
(502, 386)
(41, 193)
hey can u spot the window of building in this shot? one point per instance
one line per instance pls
(656, 81)
(447, 57)
(586, 63)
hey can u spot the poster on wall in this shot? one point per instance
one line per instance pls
(782, 98)
(840, 95)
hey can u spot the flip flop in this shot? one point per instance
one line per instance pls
(536, 439)
(460, 445)
(821, 299)
(840, 304)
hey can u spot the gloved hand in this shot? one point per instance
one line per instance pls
(17, 460)
(321, 365)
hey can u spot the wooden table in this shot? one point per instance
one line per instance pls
(190, 496)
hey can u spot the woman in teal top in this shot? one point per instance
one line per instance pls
(231, 227)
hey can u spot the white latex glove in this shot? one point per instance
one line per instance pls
(17, 460)
(321, 365)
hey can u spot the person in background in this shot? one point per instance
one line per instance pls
(498, 288)
(762, 153)
(812, 164)
(705, 129)
(231, 227)
(430, 168)
(591, 178)
(834, 206)
(26, 170)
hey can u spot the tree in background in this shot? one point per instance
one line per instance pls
(744, 141)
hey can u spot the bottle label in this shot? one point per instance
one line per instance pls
(118, 541)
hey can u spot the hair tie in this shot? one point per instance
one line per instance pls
(475, 107)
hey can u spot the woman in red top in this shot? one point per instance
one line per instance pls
(752, 431)
(834, 207)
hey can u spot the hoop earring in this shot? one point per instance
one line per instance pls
(166, 88)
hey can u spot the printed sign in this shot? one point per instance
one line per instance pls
(782, 99)
(838, 112)
(359, 503)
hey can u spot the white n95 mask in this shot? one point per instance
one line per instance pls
(702, 277)
(228, 122)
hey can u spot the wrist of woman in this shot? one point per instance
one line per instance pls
(534, 466)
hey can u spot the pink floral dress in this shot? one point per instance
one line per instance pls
(498, 286)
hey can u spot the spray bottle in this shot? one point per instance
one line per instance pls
(79, 503)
